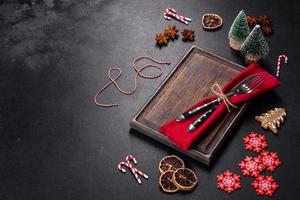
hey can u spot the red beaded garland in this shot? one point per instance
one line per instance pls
(228, 181)
(255, 142)
(251, 166)
(264, 185)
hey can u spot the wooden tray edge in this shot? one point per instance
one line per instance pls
(205, 158)
(242, 109)
(175, 68)
(134, 124)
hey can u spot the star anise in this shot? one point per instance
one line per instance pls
(188, 35)
(171, 32)
(252, 21)
(267, 30)
(161, 39)
(264, 20)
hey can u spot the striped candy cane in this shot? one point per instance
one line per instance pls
(142, 174)
(167, 17)
(171, 13)
(134, 170)
(120, 166)
(279, 63)
(130, 157)
(172, 10)
(177, 17)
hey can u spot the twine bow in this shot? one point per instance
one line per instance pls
(217, 90)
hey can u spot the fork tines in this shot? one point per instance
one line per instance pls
(255, 83)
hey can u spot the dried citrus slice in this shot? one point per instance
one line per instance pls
(185, 179)
(170, 163)
(165, 182)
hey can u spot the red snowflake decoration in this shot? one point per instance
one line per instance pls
(228, 181)
(264, 185)
(270, 160)
(255, 142)
(251, 166)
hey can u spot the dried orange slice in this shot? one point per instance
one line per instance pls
(170, 163)
(165, 182)
(185, 179)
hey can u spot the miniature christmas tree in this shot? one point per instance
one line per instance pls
(255, 46)
(239, 31)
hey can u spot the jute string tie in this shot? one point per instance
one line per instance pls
(217, 90)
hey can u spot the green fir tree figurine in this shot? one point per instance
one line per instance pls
(255, 46)
(239, 31)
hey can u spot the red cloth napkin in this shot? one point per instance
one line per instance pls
(177, 131)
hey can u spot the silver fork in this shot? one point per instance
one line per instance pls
(243, 88)
(205, 106)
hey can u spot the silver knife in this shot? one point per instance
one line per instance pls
(217, 101)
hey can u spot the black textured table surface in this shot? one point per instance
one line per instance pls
(55, 143)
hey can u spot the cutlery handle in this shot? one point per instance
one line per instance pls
(187, 114)
(201, 119)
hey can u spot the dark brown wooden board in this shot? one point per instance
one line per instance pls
(188, 83)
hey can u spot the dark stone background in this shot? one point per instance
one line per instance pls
(56, 144)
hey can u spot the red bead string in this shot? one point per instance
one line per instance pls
(113, 80)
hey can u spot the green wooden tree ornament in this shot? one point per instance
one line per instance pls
(255, 46)
(239, 31)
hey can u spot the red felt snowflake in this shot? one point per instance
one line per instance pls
(270, 160)
(255, 142)
(228, 181)
(264, 185)
(251, 166)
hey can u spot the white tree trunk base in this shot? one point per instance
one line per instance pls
(250, 59)
(235, 44)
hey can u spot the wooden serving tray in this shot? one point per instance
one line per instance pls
(188, 83)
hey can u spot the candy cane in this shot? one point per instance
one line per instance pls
(130, 157)
(279, 63)
(134, 170)
(167, 17)
(171, 12)
(120, 166)
(142, 174)
(179, 18)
